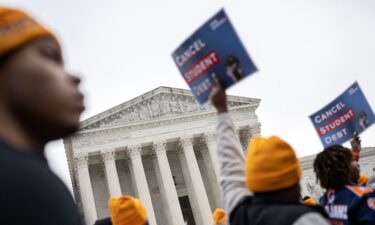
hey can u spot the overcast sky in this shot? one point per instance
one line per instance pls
(307, 52)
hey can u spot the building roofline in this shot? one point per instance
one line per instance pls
(149, 94)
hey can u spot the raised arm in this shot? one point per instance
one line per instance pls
(230, 154)
(356, 147)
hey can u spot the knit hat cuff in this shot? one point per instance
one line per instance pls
(17, 29)
(289, 178)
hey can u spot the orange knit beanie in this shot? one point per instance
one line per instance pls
(219, 216)
(271, 165)
(17, 28)
(127, 210)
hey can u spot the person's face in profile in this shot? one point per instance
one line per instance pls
(43, 96)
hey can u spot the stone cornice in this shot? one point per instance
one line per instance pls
(110, 138)
(92, 147)
(170, 120)
(144, 102)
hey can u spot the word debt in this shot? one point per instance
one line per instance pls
(203, 87)
(336, 136)
(329, 113)
(336, 123)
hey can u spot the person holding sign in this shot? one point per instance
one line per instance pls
(356, 177)
(344, 202)
(264, 187)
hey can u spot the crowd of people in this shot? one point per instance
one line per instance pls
(256, 192)
(40, 101)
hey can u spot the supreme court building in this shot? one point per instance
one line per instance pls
(160, 148)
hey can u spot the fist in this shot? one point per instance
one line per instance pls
(218, 97)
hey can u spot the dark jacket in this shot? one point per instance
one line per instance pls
(242, 207)
(105, 221)
(258, 211)
(350, 205)
(30, 193)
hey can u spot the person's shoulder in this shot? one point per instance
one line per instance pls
(300, 209)
(323, 199)
(16, 167)
(315, 209)
(311, 218)
(28, 176)
(288, 213)
(358, 191)
(33, 189)
(370, 200)
(24, 170)
(245, 202)
(105, 221)
(366, 209)
(242, 206)
(307, 215)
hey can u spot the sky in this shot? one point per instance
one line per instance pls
(307, 53)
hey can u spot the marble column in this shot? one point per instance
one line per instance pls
(255, 131)
(87, 196)
(245, 138)
(213, 168)
(166, 184)
(312, 187)
(113, 182)
(210, 141)
(194, 183)
(303, 184)
(247, 134)
(139, 176)
(370, 169)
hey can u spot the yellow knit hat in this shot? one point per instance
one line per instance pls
(362, 180)
(271, 165)
(18, 28)
(310, 201)
(219, 216)
(127, 210)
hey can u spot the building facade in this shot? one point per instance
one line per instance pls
(160, 147)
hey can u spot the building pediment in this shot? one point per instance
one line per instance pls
(160, 103)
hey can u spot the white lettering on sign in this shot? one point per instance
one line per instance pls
(191, 51)
(336, 136)
(216, 23)
(203, 87)
(330, 112)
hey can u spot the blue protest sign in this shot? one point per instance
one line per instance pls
(349, 113)
(214, 49)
